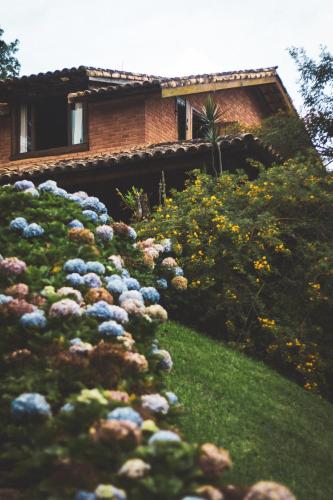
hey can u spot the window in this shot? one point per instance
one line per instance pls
(197, 131)
(181, 118)
(49, 123)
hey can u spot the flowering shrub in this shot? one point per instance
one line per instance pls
(258, 256)
(84, 410)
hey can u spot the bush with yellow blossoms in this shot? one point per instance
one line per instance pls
(258, 257)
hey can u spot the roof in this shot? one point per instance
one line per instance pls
(111, 160)
(89, 83)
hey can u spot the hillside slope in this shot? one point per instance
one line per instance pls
(273, 428)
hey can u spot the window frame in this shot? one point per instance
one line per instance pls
(34, 153)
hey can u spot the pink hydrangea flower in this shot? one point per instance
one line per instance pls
(12, 265)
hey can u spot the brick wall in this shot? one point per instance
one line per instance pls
(160, 120)
(5, 138)
(116, 125)
(236, 104)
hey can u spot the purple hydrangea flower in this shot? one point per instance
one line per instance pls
(104, 233)
(150, 294)
(91, 215)
(23, 185)
(75, 223)
(125, 413)
(33, 230)
(75, 279)
(104, 218)
(75, 266)
(132, 283)
(65, 307)
(131, 295)
(164, 437)
(18, 224)
(30, 403)
(162, 284)
(111, 329)
(92, 280)
(95, 267)
(35, 319)
(155, 403)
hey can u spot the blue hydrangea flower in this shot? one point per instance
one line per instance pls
(33, 230)
(85, 495)
(48, 186)
(30, 403)
(74, 197)
(67, 408)
(116, 286)
(35, 319)
(111, 329)
(164, 437)
(91, 215)
(112, 277)
(132, 283)
(100, 310)
(75, 341)
(104, 218)
(95, 267)
(75, 266)
(131, 295)
(23, 185)
(150, 294)
(60, 192)
(92, 280)
(104, 233)
(75, 223)
(162, 284)
(172, 398)
(93, 203)
(75, 279)
(125, 273)
(164, 357)
(167, 245)
(178, 271)
(132, 233)
(125, 413)
(18, 224)
(4, 299)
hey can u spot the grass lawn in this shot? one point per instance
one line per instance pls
(272, 428)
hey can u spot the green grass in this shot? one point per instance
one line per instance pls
(273, 429)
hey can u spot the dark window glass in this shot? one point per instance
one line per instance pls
(197, 130)
(51, 127)
(181, 117)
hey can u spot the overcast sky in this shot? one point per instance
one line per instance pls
(170, 37)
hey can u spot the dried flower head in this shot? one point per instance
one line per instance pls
(96, 294)
(213, 460)
(81, 235)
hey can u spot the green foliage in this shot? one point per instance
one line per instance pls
(211, 118)
(9, 65)
(271, 426)
(53, 457)
(286, 133)
(316, 87)
(258, 255)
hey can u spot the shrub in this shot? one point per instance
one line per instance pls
(258, 255)
(84, 410)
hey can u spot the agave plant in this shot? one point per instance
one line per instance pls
(211, 119)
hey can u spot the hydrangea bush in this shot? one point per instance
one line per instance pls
(85, 413)
(258, 255)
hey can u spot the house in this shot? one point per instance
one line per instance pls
(98, 129)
